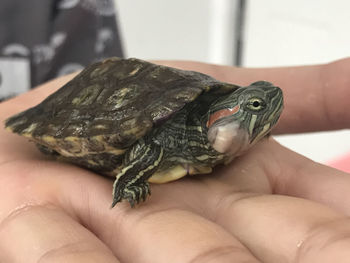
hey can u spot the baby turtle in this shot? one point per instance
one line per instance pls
(142, 122)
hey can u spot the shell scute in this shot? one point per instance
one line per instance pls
(87, 95)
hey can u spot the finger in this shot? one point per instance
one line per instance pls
(32, 230)
(286, 229)
(304, 178)
(316, 97)
(42, 234)
(175, 235)
(270, 168)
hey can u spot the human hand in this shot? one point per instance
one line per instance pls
(270, 205)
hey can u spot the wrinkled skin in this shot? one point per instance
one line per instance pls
(270, 205)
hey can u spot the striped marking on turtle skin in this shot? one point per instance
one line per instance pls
(262, 132)
(149, 168)
(135, 178)
(275, 111)
(126, 168)
(187, 127)
(190, 137)
(222, 113)
(252, 123)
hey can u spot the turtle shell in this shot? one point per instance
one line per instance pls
(110, 105)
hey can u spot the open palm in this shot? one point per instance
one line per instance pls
(270, 205)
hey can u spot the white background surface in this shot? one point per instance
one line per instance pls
(182, 29)
(277, 33)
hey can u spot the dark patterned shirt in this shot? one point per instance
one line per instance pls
(44, 39)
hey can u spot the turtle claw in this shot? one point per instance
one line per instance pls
(133, 194)
(114, 203)
(136, 194)
(143, 190)
(146, 193)
(131, 202)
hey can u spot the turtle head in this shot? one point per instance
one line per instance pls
(238, 120)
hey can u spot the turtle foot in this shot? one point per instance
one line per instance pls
(133, 193)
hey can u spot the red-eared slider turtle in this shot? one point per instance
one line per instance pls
(142, 122)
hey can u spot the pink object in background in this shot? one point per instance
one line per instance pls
(342, 163)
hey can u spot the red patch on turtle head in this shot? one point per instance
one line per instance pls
(220, 114)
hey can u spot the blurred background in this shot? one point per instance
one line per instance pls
(249, 33)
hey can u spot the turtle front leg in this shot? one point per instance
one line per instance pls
(140, 162)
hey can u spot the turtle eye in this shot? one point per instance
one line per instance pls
(256, 104)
